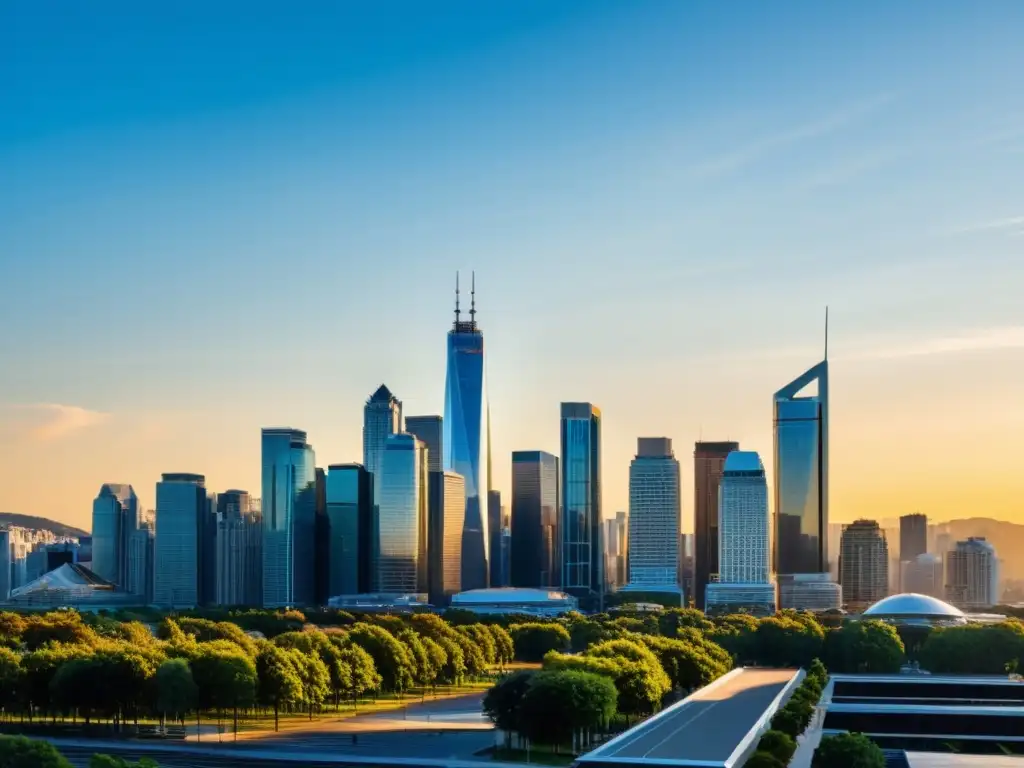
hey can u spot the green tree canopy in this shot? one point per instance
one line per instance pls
(225, 676)
(788, 640)
(688, 665)
(22, 752)
(761, 759)
(11, 678)
(670, 621)
(390, 657)
(483, 640)
(279, 683)
(176, 691)
(981, 649)
(533, 640)
(864, 647)
(558, 703)
(503, 701)
(848, 750)
(503, 645)
(780, 745)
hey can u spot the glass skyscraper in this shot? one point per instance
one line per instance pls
(447, 520)
(382, 416)
(708, 463)
(801, 475)
(289, 517)
(535, 510)
(430, 431)
(582, 556)
(115, 516)
(654, 511)
(181, 510)
(467, 438)
(350, 538)
(402, 518)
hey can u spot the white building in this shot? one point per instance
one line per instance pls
(180, 504)
(654, 511)
(744, 540)
(972, 574)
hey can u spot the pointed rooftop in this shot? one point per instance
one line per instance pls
(817, 373)
(382, 395)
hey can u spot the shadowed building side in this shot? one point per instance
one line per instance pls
(535, 511)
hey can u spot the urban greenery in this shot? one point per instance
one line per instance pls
(848, 750)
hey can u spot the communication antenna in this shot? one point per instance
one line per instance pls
(456, 297)
(472, 298)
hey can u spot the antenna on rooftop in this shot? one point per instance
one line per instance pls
(456, 297)
(472, 298)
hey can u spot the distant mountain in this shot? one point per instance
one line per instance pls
(1007, 538)
(41, 524)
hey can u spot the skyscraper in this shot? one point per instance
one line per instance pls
(535, 514)
(382, 416)
(181, 509)
(115, 515)
(923, 575)
(863, 564)
(289, 517)
(402, 513)
(239, 550)
(430, 431)
(972, 574)
(654, 511)
(140, 562)
(581, 534)
(494, 527)
(447, 511)
(801, 475)
(708, 461)
(913, 536)
(467, 437)
(744, 580)
(350, 538)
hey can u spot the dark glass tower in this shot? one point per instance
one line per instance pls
(535, 508)
(467, 437)
(350, 516)
(708, 465)
(582, 555)
(913, 536)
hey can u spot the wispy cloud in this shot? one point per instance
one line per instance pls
(1010, 224)
(738, 158)
(45, 422)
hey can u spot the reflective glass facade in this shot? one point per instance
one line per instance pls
(400, 526)
(115, 516)
(708, 462)
(801, 475)
(289, 517)
(467, 443)
(654, 511)
(581, 524)
(382, 416)
(181, 507)
(430, 431)
(535, 513)
(349, 516)
(447, 520)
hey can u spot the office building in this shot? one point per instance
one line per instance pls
(581, 524)
(913, 536)
(616, 543)
(382, 416)
(429, 430)
(289, 518)
(402, 512)
(115, 514)
(141, 564)
(505, 555)
(863, 564)
(708, 462)
(535, 515)
(924, 576)
(181, 509)
(5, 564)
(809, 592)
(494, 526)
(350, 536)
(208, 553)
(447, 513)
(744, 581)
(654, 513)
(972, 574)
(239, 579)
(467, 437)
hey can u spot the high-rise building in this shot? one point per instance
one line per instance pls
(239, 579)
(863, 564)
(494, 529)
(141, 562)
(801, 475)
(6, 546)
(744, 579)
(972, 574)
(654, 512)
(923, 575)
(708, 462)
(115, 515)
(350, 537)
(382, 416)
(402, 512)
(582, 555)
(447, 511)
(467, 437)
(208, 553)
(430, 431)
(535, 516)
(913, 536)
(181, 510)
(289, 518)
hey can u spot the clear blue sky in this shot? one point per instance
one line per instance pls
(217, 216)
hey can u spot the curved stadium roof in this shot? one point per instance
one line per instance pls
(910, 605)
(509, 595)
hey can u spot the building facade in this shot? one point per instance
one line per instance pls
(582, 555)
(654, 517)
(924, 576)
(972, 574)
(382, 416)
(289, 518)
(350, 520)
(239, 579)
(708, 463)
(401, 513)
(809, 592)
(863, 564)
(181, 509)
(535, 516)
(447, 513)
(913, 536)
(467, 438)
(115, 515)
(429, 430)
(141, 563)
(494, 527)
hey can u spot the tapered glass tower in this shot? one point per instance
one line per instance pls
(467, 437)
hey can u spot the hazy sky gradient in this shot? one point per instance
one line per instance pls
(220, 217)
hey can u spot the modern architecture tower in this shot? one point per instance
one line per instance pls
(401, 561)
(654, 511)
(495, 528)
(708, 463)
(535, 512)
(972, 574)
(582, 552)
(350, 536)
(744, 580)
(430, 431)
(467, 437)
(289, 517)
(239, 579)
(913, 536)
(115, 515)
(447, 513)
(181, 512)
(863, 564)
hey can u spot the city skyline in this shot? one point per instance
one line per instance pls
(633, 202)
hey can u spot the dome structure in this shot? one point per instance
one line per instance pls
(912, 608)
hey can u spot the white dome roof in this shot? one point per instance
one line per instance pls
(910, 604)
(508, 595)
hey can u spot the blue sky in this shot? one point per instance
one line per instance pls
(221, 216)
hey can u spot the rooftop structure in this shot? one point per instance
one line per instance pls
(911, 608)
(70, 585)
(504, 600)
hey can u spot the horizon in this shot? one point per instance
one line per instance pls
(198, 240)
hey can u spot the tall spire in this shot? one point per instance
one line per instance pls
(472, 299)
(826, 331)
(456, 298)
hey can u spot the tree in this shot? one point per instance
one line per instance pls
(788, 722)
(426, 672)
(40, 668)
(108, 761)
(764, 760)
(788, 640)
(670, 621)
(390, 657)
(818, 671)
(688, 665)
(778, 744)
(559, 704)
(21, 752)
(11, 627)
(279, 682)
(864, 647)
(393, 624)
(532, 641)
(316, 680)
(225, 676)
(983, 649)
(503, 645)
(454, 669)
(317, 643)
(11, 679)
(176, 691)
(503, 702)
(362, 672)
(848, 750)
(472, 654)
(64, 627)
(483, 639)
(438, 659)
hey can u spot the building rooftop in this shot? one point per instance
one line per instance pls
(743, 461)
(509, 595)
(914, 605)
